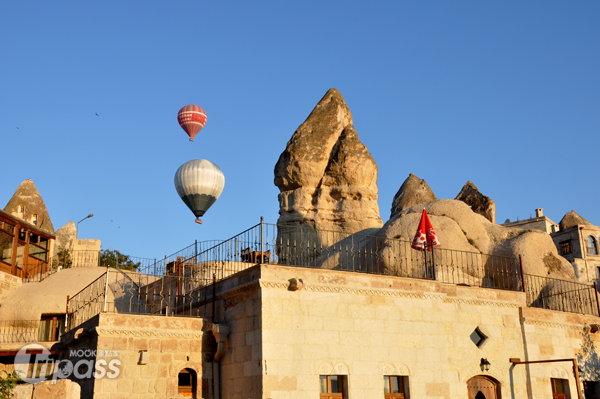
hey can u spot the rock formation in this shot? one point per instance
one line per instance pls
(65, 236)
(459, 228)
(412, 192)
(478, 202)
(35, 212)
(572, 219)
(327, 178)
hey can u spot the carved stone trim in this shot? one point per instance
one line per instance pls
(146, 333)
(374, 292)
(394, 369)
(556, 372)
(329, 369)
(566, 326)
(480, 302)
(239, 290)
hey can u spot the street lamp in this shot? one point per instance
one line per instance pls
(77, 231)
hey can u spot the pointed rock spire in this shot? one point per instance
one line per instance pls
(27, 204)
(572, 219)
(478, 202)
(327, 177)
(412, 192)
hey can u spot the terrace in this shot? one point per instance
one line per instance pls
(179, 285)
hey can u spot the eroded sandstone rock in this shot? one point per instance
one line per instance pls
(572, 219)
(412, 192)
(65, 236)
(460, 229)
(478, 202)
(35, 212)
(327, 177)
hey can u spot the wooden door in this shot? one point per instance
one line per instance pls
(481, 387)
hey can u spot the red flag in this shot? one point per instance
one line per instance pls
(425, 234)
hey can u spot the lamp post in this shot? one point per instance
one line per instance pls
(77, 231)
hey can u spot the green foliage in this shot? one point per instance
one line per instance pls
(7, 383)
(62, 258)
(114, 258)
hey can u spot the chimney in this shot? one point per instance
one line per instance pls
(539, 212)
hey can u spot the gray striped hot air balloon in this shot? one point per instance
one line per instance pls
(199, 183)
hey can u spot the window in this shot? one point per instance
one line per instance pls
(395, 386)
(34, 219)
(566, 247)
(590, 388)
(591, 246)
(560, 388)
(478, 337)
(332, 386)
(186, 384)
(51, 328)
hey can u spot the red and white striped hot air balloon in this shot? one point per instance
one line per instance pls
(192, 119)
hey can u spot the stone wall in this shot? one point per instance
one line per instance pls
(316, 322)
(172, 344)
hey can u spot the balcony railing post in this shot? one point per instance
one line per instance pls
(262, 223)
(106, 290)
(432, 260)
(522, 274)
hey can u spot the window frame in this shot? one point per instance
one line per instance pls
(594, 246)
(398, 395)
(55, 326)
(564, 383)
(342, 380)
(566, 247)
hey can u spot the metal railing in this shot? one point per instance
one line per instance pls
(562, 295)
(127, 292)
(171, 286)
(15, 331)
(87, 258)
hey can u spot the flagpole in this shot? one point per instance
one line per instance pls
(426, 266)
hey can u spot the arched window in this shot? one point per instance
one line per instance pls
(186, 384)
(592, 246)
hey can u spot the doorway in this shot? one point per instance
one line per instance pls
(483, 387)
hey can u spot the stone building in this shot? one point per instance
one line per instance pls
(577, 241)
(539, 222)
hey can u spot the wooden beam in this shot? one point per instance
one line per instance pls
(515, 361)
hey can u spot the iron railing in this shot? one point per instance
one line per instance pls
(87, 258)
(171, 286)
(562, 295)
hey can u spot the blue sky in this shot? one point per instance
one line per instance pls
(506, 94)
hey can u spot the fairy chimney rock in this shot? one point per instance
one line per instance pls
(327, 178)
(412, 192)
(27, 204)
(478, 202)
(572, 219)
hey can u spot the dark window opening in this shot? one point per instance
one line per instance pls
(566, 247)
(478, 337)
(590, 389)
(186, 383)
